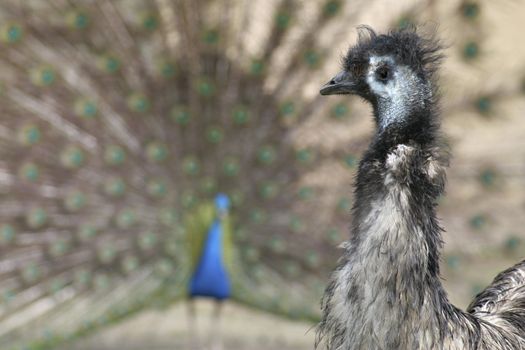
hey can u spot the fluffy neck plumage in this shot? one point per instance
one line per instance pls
(387, 293)
(396, 235)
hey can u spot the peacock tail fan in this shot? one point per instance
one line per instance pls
(121, 118)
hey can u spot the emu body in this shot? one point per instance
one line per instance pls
(386, 292)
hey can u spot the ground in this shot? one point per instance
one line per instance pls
(168, 330)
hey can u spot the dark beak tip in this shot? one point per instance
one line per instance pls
(341, 84)
(334, 89)
(324, 90)
(329, 88)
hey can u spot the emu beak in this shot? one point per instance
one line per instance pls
(341, 84)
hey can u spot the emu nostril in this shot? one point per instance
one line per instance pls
(339, 78)
(340, 84)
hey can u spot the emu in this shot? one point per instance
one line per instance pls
(386, 292)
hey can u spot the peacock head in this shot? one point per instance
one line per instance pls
(394, 72)
(222, 204)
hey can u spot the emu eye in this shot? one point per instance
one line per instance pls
(383, 73)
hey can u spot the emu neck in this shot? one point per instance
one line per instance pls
(393, 257)
(395, 124)
(386, 292)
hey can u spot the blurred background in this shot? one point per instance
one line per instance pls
(121, 120)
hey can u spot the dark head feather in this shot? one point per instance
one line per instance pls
(421, 53)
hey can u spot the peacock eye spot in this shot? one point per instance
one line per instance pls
(383, 73)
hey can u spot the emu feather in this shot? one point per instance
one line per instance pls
(386, 292)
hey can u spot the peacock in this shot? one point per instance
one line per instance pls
(123, 122)
(387, 292)
(209, 232)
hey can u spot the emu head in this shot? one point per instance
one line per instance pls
(394, 72)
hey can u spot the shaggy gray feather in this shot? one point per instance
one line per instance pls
(386, 292)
